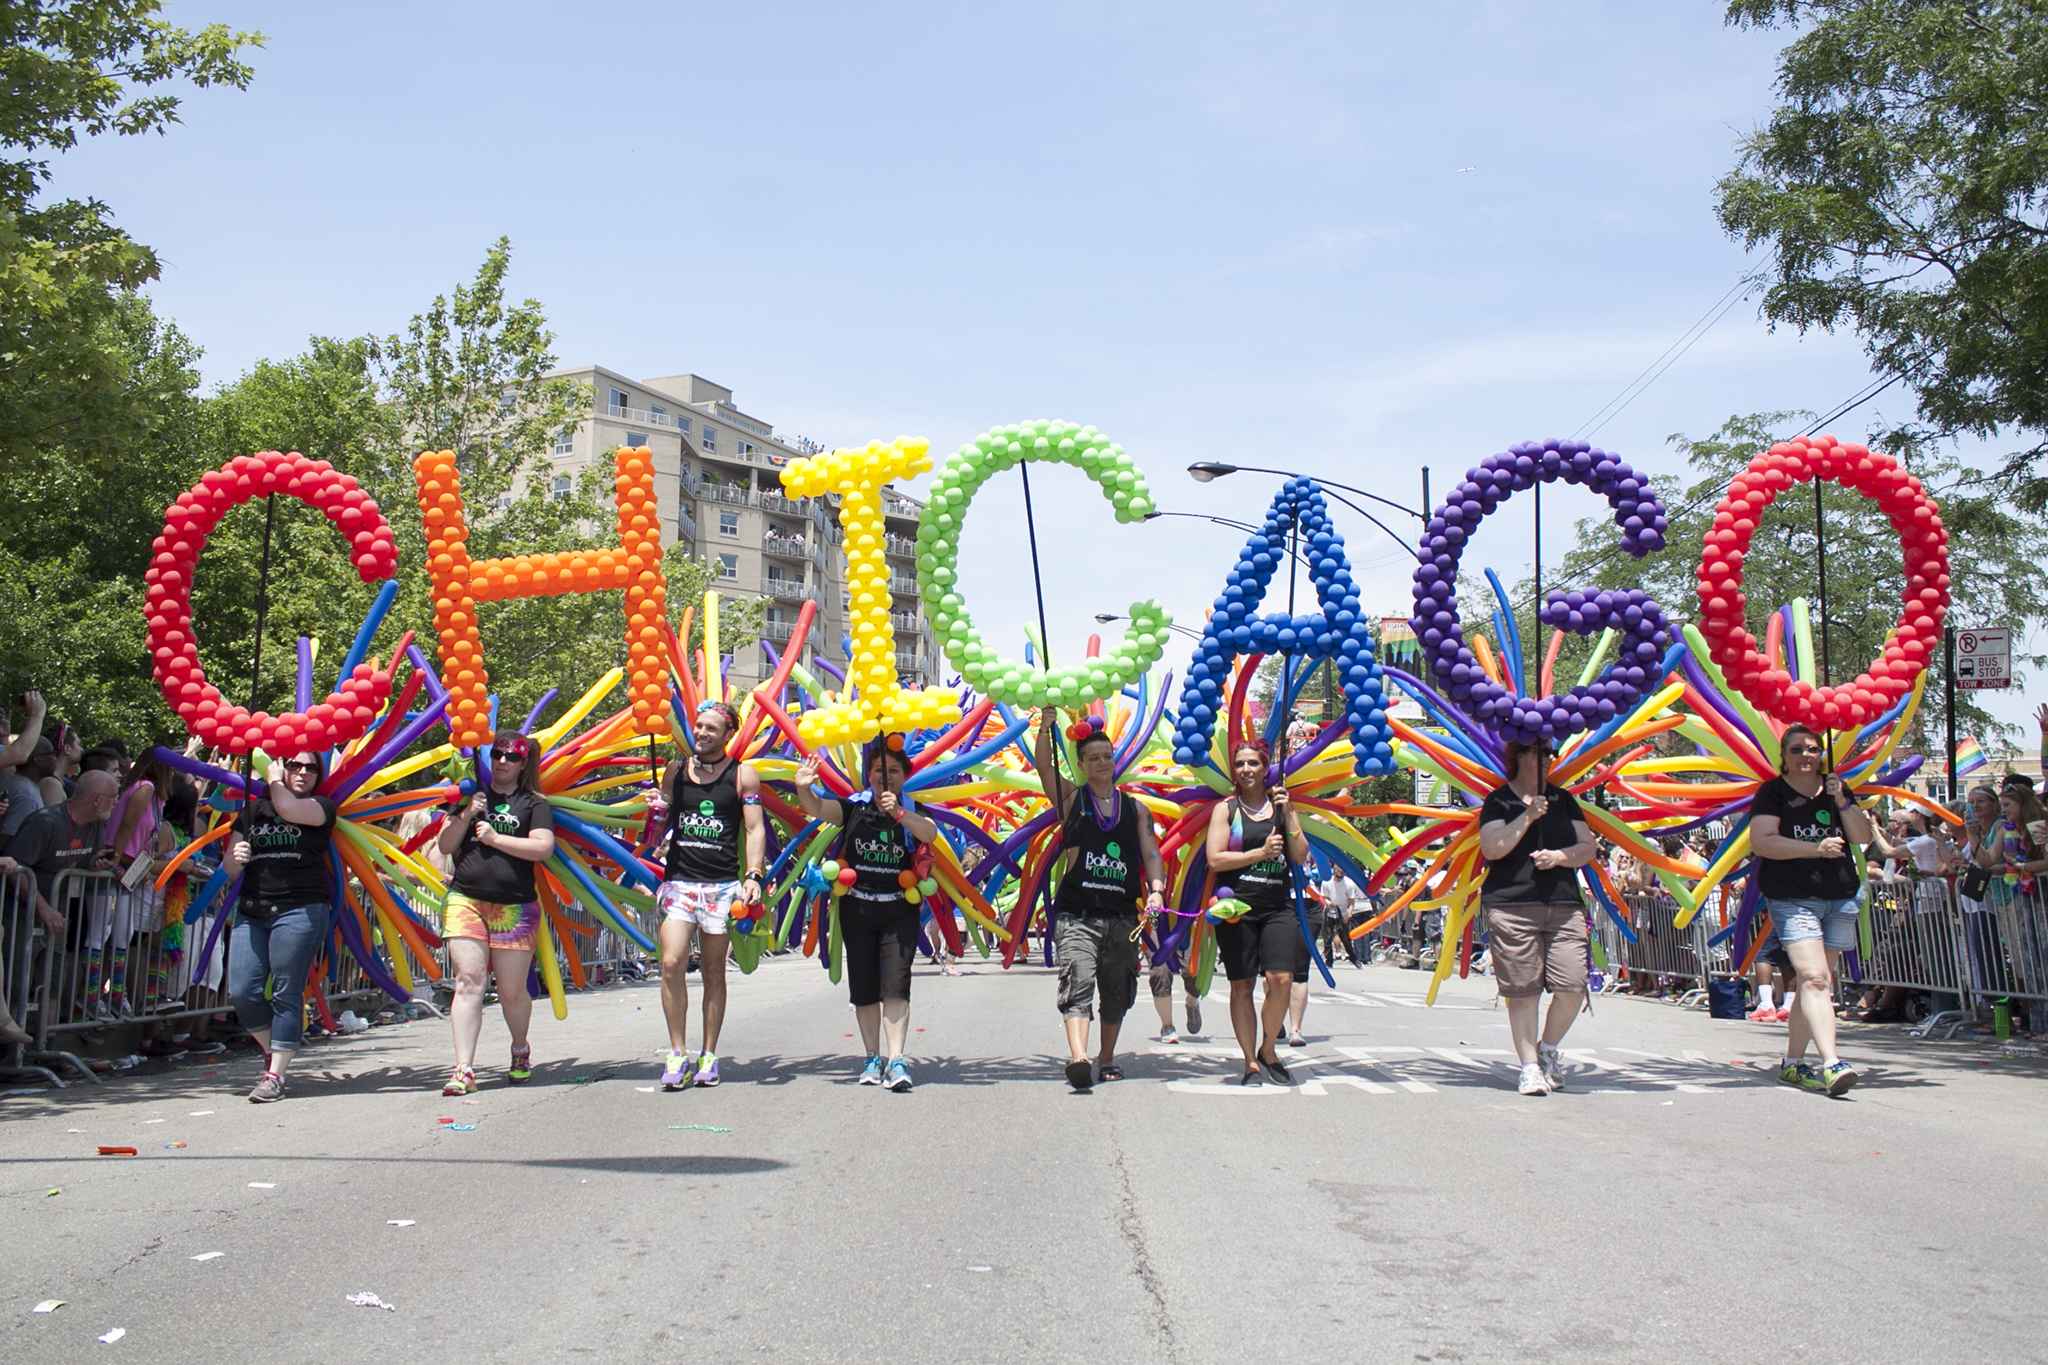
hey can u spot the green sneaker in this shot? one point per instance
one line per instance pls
(1802, 1075)
(1838, 1077)
(521, 1070)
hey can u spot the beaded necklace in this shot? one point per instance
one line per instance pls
(1116, 808)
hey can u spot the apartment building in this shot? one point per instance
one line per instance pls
(718, 474)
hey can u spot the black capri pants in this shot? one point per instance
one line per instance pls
(1263, 941)
(878, 945)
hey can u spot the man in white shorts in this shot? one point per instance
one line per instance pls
(711, 798)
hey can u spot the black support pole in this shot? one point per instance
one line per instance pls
(1948, 672)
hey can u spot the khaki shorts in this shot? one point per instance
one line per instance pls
(1537, 947)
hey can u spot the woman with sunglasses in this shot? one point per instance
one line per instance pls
(712, 800)
(279, 849)
(1799, 826)
(1113, 867)
(1254, 844)
(1534, 839)
(880, 839)
(491, 919)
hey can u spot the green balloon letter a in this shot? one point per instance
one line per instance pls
(938, 551)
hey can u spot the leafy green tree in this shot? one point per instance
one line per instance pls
(1900, 188)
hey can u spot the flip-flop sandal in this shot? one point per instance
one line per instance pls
(1081, 1075)
(1111, 1072)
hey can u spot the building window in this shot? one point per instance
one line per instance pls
(728, 566)
(565, 441)
(636, 439)
(621, 399)
(778, 574)
(562, 487)
(746, 447)
(657, 412)
(728, 523)
(710, 437)
(683, 425)
(506, 400)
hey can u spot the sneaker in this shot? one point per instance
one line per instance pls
(899, 1077)
(1168, 1036)
(158, 1047)
(1839, 1077)
(1781, 1015)
(1195, 1017)
(707, 1070)
(268, 1090)
(675, 1072)
(1763, 1014)
(461, 1081)
(1276, 1071)
(1532, 1080)
(1295, 1039)
(871, 1074)
(522, 1066)
(1552, 1062)
(204, 1047)
(1801, 1075)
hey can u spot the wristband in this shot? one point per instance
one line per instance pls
(755, 874)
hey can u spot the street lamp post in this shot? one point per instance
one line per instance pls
(1208, 471)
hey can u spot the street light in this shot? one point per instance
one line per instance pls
(1222, 521)
(1104, 618)
(1207, 472)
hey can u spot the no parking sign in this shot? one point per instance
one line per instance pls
(1983, 659)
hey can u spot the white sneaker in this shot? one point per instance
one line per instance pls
(1552, 1062)
(1169, 1037)
(1532, 1081)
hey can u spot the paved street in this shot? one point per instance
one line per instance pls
(1401, 1204)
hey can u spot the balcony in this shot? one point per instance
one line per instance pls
(686, 524)
(903, 586)
(907, 622)
(901, 546)
(792, 507)
(788, 590)
(639, 418)
(908, 663)
(896, 505)
(793, 547)
(777, 632)
(735, 494)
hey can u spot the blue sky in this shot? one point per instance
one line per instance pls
(1216, 232)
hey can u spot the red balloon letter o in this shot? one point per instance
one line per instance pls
(347, 714)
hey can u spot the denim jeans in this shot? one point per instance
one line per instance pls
(280, 949)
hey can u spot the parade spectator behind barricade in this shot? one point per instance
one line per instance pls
(1344, 901)
(1798, 823)
(70, 835)
(140, 838)
(1983, 944)
(57, 787)
(1534, 838)
(20, 797)
(2016, 854)
(24, 788)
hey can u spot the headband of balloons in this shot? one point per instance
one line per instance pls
(1297, 522)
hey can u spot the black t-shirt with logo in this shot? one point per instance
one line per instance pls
(704, 824)
(878, 849)
(492, 875)
(1106, 875)
(287, 863)
(1809, 819)
(1269, 883)
(1514, 877)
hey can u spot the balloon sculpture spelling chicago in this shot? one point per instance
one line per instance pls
(1714, 686)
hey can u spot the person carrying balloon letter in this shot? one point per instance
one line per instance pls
(1800, 823)
(491, 918)
(884, 845)
(712, 799)
(1112, 866)
(1534, 838)
(1255, 839)
(279, 849)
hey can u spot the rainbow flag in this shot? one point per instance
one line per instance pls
(1969, 756)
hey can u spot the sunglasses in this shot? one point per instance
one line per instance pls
(294, 766)
(506, 756)
(1803, 750)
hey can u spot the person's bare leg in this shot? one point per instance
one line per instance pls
(1563, 1010)
(1077, 1038)
(711, 952)
(1525, 1014)
(869, 1020)
(1244, 1020)
(470, 958)
(1273, 1012)
(510, 966)
(1297, 1004)
(1109, 1033)
(896, 1026)
(675, 980)
(280, 1062)
(1813, 1013)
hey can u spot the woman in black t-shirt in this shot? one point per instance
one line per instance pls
(1534, 839)
(877, 924)
(1254, 843)
(491, 918)
(279, 849)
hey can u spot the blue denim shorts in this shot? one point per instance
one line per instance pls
(1800, 920)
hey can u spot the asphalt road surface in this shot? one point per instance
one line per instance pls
(1402, 1203)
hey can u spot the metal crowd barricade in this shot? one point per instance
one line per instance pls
(22, 943)
(1662, 950)
(118, 961)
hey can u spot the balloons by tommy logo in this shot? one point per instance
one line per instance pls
(1338, 631)
(876, 703)
(348, 712)
(1640, 621)
(460, 583)
(938, 551)
(1923, 542)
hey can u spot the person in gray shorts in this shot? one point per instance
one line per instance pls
(1533, 838)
